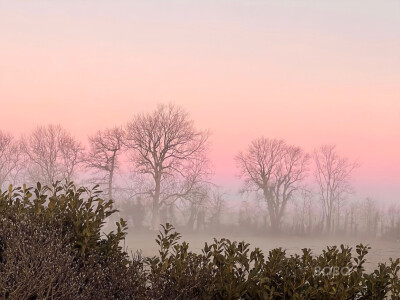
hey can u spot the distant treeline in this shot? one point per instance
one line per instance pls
(156, 169)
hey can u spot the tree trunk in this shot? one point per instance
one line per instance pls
(155, 218)
(110, 179)
(338, 218)
(275, 222)
(192, 217)
(110, 184)
(113, 217)
(328, 223)
(273, 212)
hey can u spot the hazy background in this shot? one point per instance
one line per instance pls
(310, 72)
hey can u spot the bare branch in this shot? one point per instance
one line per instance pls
(52, 153)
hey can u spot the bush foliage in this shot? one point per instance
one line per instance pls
(52, 247)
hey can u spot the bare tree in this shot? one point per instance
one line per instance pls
(170, 152)
(303, 213)
(392, 221)
(353, 212)
(197, 205)
(371, 216)
(217, 206)
(276, 169)
(53, 154)
(10, 158)
(332, 174)
(105, 148)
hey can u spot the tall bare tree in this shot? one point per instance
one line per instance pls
(332, 174)
(276, 169)
(170, 152)
(53, 154)
(10, 158)
(105, 148)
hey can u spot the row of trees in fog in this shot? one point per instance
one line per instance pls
(165, 151)
(163, 159)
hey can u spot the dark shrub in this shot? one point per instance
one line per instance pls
(52, 247)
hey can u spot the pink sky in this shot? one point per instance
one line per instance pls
(310, 72)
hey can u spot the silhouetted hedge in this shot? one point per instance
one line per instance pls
(51, 247)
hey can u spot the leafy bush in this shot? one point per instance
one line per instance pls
(229, 270)
(51, 247)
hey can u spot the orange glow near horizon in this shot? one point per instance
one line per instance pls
(311, 73)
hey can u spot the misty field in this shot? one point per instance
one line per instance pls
(381, 250)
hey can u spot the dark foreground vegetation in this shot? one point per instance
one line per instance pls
(52, 247)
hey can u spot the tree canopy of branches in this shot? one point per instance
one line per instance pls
(105, 148)
(52, 153)
(10, 158)
(276, 169)
(332, 175)
(167, 149)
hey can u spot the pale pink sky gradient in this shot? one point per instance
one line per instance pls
(310, 72)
